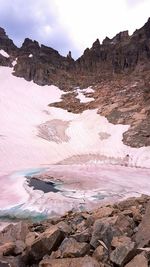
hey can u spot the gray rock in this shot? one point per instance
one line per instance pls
(70, 248)
(83, 236)
(142, 237)
(104, 232)
(123, 254)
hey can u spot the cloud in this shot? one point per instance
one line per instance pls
(133, 3)
(37, 20)
(71, 24)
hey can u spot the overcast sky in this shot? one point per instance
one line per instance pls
(71, 24)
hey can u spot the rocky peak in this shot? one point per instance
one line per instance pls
(146, 29)
(7, 44)
(69, 56)
(30, 45)
(3, 33)
(120, 37)
(142, 33)
(48, 50)
(106, 41)
(96, 45)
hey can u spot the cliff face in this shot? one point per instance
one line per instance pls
(121, 54)
(118, 69)
(40, 63)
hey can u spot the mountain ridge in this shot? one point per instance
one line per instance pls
(121, 54)
(118, 70)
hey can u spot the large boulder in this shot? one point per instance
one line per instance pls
(103, 231)
(14, 232)
(46, 242)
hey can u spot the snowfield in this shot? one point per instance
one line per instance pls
(34, 135)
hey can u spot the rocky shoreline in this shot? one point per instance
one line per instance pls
(112, 235)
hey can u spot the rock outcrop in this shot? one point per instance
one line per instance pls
(7, 44)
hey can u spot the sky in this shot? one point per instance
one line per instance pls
(71, 25)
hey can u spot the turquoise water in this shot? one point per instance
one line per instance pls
(18, 212)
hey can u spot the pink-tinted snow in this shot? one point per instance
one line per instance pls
(90, 140)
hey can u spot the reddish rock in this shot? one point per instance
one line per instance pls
(70, 248)
(103, 212)
(30, 237)
(138, 261)
(118, 241)
(100, 254)
(74, 262)
(65, 227)
(45, 243)
(7, 249)
(14, 232)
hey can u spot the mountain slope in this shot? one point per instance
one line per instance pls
(118, 70)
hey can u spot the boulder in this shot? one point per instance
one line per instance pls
(103, 231)
(138, 261)
(123, 254)
(142, 236)
(103, 212)
(65, 227)
(70, 262)
(14, 232)
(83, 236)
(46, 242)
(100, 254)
(31, 236)
(118, 241)
(124, 223)
(12, 262)
(70, 248)
(7, 249)
(19, 247)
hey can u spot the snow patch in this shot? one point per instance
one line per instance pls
(82, 97)
(14, 62)
(3, 53)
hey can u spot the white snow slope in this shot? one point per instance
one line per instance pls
(86, 138)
